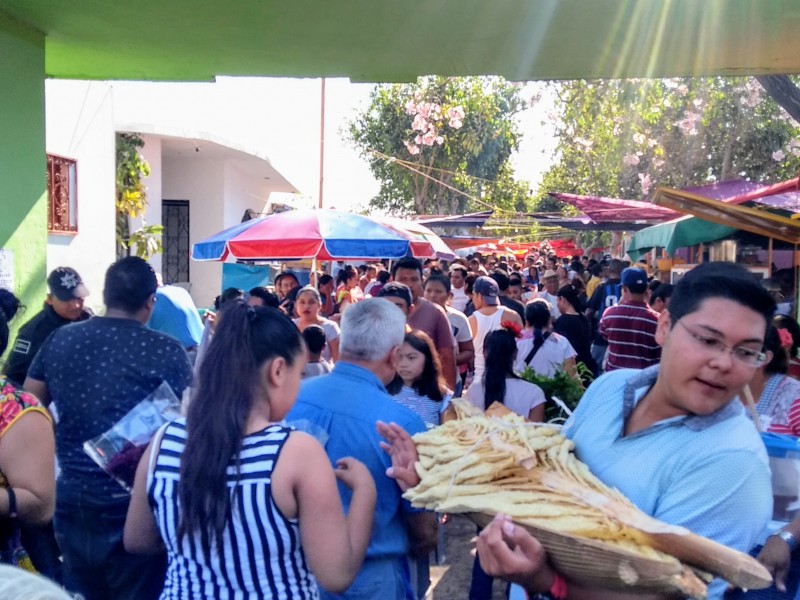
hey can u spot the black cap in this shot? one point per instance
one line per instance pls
(66, 284)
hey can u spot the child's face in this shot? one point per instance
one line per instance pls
(410, 364)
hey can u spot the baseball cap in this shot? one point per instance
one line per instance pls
(66, 284)
(487, 288)
(634, 279)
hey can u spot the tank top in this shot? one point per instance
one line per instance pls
(485, 325)
(261, 553)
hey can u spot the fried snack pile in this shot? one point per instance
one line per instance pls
(498, 462)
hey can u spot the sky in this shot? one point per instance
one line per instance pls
(280, 119)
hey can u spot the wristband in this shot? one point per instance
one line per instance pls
(12, 503)
(558, 591)
(787, 537)
(559, 588)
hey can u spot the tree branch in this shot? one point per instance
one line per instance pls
(783, 91)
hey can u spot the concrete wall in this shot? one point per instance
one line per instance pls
(80, 126)
(23, 189)
(202, 183)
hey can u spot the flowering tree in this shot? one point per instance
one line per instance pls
(442, 145)
(621, 138)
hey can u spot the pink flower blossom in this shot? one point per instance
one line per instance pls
(682, 89)
(420, 123)
(418, 139)
(455, 123)
(795, 150)
(412, 148)
(639, 138)
(646, 182)
(630, 160)
(411, 107)
(428, 139)
(778, 155)
(440, 140)
(658, 163)
(455, 116)
(652, 143)
(689, 123)
(794, 144)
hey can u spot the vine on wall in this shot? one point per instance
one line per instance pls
(131, 200)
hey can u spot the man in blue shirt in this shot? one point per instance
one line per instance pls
(342, 409)
(94, 372)
(672, 438)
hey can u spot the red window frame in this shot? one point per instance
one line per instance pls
(62, 194)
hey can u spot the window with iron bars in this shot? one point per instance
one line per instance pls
(62, 194)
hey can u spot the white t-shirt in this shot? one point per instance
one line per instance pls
(553, 300)
(460, 324)
(550, 357)
(460, 299)
(521, 396)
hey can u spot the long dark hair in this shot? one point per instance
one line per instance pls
(570, 294)
(499, 350)
(430, 382)
(226, 389)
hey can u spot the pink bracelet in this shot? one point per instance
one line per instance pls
(558, 590)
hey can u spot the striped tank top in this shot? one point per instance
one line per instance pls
(261, 557)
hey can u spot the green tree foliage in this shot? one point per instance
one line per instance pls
(622, 138)
(131, 200)
(426, 142)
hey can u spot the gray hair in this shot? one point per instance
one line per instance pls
(370, 329)
(310, 289)
(17, 584)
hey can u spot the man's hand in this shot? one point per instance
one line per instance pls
(511, 553)
(400, 447)
(776, 556)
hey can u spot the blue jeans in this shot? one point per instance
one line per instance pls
(378, 579)
(96, 564)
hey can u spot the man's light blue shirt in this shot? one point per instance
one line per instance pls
(345, 407)
(175, 314)
(709, 474)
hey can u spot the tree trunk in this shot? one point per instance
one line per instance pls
(783, 91)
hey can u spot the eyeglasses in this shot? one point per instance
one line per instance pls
(748, 356)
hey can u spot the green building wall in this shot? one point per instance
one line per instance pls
(23, 189)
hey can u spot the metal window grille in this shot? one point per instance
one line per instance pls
(62, 194)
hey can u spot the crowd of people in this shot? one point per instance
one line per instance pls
(285, 477)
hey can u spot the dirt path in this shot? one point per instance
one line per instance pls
(451, 580)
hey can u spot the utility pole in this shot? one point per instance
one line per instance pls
(321, 140)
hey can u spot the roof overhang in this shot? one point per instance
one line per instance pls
(757, 221)
(370, 40)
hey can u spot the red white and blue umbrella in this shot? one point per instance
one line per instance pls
(309, 234)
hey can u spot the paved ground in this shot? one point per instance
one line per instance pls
(450, 581)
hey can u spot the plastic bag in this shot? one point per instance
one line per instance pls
(118, 450)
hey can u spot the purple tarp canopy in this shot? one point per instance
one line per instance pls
(614, 210)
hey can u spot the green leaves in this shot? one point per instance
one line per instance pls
(131, 199)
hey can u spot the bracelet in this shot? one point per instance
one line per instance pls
(787, 537)
(12, 503)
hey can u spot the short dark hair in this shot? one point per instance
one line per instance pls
(383, 276)
(515, 281)
(324, 279)
(129, 284)
(407, 263)
(269, 298)
(662, 292)
(501, 279)
(230, 293)
(397, 290)
(725, 280)
(314, 335)
(444, 280)
(615, 266)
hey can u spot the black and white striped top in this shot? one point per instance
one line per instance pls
(262, 556)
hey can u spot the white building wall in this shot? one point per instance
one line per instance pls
(202, 183)
(242, 191)
(80, 126)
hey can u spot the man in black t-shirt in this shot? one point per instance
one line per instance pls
(502, 280)
(607, 294)
(94, 373)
